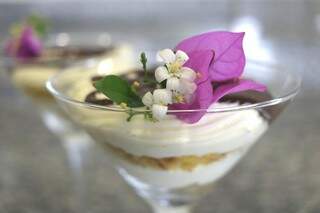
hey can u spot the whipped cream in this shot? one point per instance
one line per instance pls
(214, 133)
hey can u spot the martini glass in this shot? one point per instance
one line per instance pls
(61, 50)
(169, 163)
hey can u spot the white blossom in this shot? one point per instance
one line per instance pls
(180, 84)
(158, 102)
(180, 80)
(173, 84)
(147, 99)
(188, 74)
(166, 56)
(161, 74)
(159, 111)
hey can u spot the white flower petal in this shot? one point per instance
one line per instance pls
(166, 56)
(188, 74)
(181, 57)
(161, 74)
(187, 87)
(159, 111)
(173, 83)
(162, 96)
(147, 99)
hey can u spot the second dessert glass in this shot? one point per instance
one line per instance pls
(172, 164)
(62, 50)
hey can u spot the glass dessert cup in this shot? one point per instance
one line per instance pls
(169, 163)
(61, 50)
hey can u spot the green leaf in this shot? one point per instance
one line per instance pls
(39, 24)
(118, 90)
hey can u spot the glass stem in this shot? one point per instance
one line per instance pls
(172, 209)
(76, 148)
(76, 144)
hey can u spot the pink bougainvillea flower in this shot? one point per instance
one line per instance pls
(219, 59)
(229, 60)
(26, 46)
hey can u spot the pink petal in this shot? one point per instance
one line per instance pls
(229, 60)
(199, 61)
(30, 44)
(234, 87)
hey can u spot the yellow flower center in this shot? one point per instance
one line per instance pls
(175, 67)
(179, 98)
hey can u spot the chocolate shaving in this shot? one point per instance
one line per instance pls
(270, 113)
(96, 78)
(247, 97)
(93, 99)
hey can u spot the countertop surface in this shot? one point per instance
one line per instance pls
(280, 174)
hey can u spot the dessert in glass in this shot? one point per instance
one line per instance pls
(173, 131)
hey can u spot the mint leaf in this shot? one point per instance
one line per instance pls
(118, 90)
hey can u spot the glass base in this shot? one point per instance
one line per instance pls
(170, 209)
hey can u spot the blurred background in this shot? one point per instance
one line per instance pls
(281, 174)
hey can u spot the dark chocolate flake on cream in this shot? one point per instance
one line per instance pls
(96, 78)
(95, 98)
(270, 113)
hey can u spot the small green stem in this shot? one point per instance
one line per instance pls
(149, 82)
(143, 60)
(146, 80)
(147, 115)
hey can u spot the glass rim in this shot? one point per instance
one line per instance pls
(262, 104)
(72, 36)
